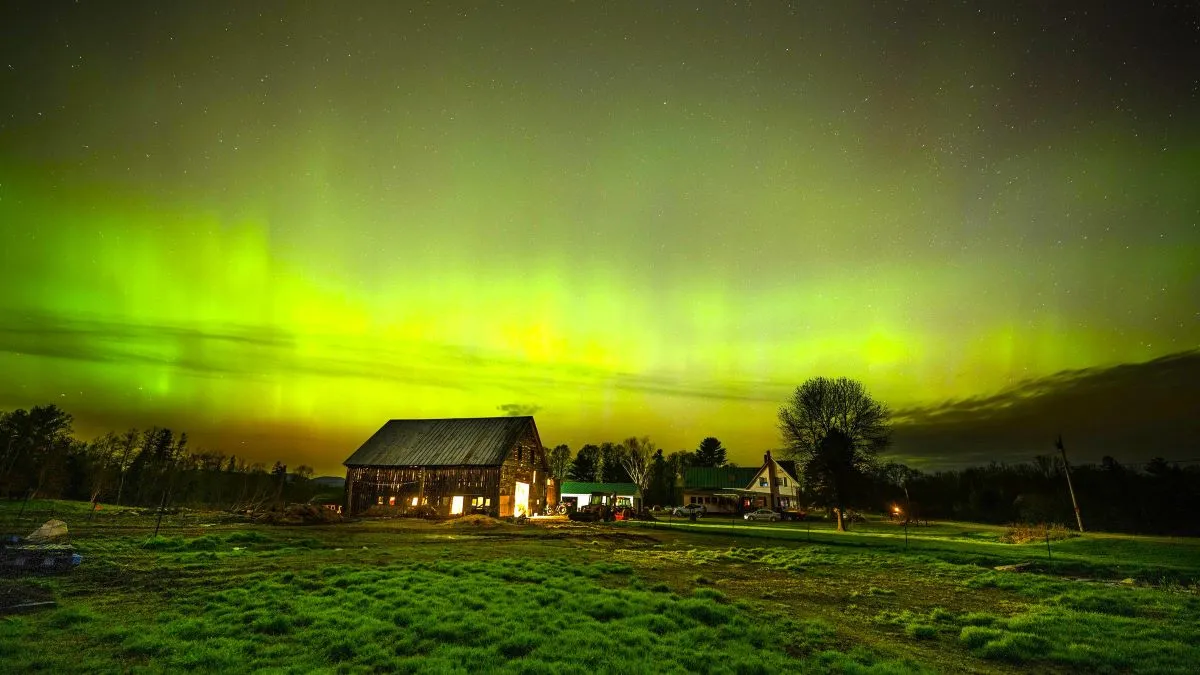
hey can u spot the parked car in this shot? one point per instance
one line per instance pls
(762, 514)
(689, 510)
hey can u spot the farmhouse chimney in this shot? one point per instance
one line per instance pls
(770, 463)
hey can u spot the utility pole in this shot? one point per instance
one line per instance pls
(1070, 488)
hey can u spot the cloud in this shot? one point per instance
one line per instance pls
(1132, 412)
(518, 409)
(255, 352)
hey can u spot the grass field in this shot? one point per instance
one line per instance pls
(413, 596)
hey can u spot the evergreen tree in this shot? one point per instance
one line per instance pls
(710, 453)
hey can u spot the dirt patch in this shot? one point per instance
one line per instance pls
(476, 521)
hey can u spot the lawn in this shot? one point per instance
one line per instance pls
(209, 594)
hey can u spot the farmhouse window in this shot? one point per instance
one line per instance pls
(379, 501)
(391, 501)
(762, 482)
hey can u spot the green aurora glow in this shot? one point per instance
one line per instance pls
(276, 236)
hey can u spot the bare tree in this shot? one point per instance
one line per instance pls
(126, 445)
(835, 429)
(637, 461)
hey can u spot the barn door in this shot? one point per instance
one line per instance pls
(521, 499)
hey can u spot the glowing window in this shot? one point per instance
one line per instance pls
(414, 501)
(391, 501)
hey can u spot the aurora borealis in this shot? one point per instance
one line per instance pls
(274, 226)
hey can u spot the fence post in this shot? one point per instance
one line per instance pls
(162, 506)
(21, 513)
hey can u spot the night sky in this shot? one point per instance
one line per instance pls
(276, 225)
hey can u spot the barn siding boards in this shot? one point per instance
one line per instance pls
(435, 486)
(436, 460)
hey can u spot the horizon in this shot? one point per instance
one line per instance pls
(275, 229)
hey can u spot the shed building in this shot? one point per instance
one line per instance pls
(580, 494)
(486, 464)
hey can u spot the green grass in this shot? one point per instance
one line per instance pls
(404, 596)
(1102, 556)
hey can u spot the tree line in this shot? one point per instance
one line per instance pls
(836, 431)
(636, 460)
(833, 428)
(139, 467)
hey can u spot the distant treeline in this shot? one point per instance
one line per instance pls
(1157, 498)
(147, 467)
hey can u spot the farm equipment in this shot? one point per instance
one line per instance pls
(45, 550)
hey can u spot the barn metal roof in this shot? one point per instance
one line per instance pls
(472, 441)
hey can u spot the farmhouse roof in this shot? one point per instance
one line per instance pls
(789, 465)
(470, 441)
(581, 488)
(719, 478)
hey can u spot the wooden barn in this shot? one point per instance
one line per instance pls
(487, 464)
